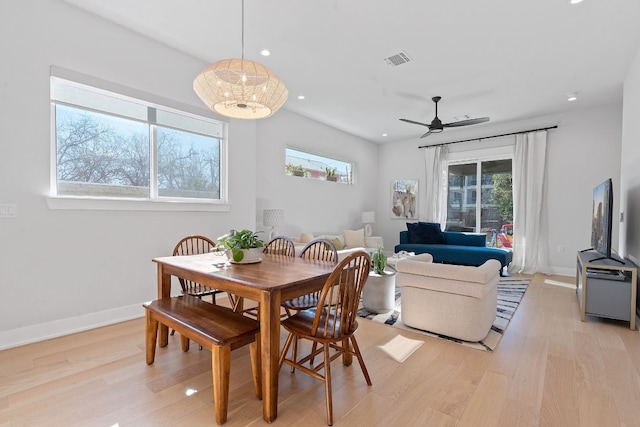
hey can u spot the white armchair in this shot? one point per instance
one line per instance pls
(453, 300)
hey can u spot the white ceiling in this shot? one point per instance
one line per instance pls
(505, 59)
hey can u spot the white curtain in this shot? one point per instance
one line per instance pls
(530, 254)
(436, 185)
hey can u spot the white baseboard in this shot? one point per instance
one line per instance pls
(57, 328)
(560, 271)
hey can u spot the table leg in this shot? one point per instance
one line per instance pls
(164, 291)
(270, 351)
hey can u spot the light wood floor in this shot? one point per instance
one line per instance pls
(550, 369)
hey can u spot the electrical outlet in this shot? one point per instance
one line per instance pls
(560, 249)
(621, 216)
(8, 210)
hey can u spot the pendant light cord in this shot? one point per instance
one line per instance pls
(242, 31)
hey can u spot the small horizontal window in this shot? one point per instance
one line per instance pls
(303, 164)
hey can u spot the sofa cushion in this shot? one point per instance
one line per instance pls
(306, 237)
(425, 233)
(465, 239)
(337, 243)
(354, 238)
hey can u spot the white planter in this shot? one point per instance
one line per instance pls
(379, 294)
(250, 255)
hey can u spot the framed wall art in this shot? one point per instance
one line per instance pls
(404, 199)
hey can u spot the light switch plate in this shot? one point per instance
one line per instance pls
(8, 210)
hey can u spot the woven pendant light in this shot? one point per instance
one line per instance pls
(240, 88)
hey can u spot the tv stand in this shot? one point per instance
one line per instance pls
(606, 287)
(604, 257)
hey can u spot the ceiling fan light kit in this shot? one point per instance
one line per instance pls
(240, 88)
(436, 125)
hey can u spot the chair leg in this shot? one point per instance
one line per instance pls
(151, 336)
(220, 369)
(314, 347)
(256, 366)
(347, 356)
(236, 302)
(356, 350)
(294, 352)
(327, 384)
(283, 355)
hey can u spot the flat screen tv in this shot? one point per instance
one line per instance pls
(602, 218)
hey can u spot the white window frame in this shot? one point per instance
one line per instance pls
(55, 201)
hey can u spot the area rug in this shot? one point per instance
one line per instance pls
(510, 293)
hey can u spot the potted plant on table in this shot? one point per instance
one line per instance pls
(379, 294)
(242, 246)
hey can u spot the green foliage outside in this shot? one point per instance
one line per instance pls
(502, 196)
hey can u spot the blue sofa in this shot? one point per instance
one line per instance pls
(458, 248)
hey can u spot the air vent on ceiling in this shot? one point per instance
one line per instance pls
(397, 59)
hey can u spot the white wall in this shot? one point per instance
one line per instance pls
(630, 169)
(630, 165)
(64, 270)
(582, 152)
(319, 207)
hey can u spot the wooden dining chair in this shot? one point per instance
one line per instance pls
(318, 249)
(331, 325)
(192, 245)
(279, 245)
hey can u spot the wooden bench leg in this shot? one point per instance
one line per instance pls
(256, 366)
(220, 368)
(151, 336)
(185, 343)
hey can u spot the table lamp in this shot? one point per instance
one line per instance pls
(272, 218)
(367, 218)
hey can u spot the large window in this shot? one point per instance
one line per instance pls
(303, 164)
(492, 212)
(107, 145)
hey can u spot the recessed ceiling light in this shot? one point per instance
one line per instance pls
(300, 96)
(572, 96)
(575, 1)
(265, 52)
(384, 134)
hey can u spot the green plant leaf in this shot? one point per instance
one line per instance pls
(238, 254)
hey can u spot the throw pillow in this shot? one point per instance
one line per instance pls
(306, 237)
(425, 233)
(354, 238)
(337, 243)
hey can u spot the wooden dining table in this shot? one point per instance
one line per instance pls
(274, 279)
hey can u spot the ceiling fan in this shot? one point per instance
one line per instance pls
(436, 124)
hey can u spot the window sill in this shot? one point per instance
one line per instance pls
(102, 204)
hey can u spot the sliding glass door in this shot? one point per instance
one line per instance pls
(480, 199)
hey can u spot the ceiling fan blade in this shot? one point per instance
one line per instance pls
(466, 122)
(414, 122)
(427, 134)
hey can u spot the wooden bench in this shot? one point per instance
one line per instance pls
(214, 327)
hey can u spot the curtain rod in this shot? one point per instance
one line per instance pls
(488, 137)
